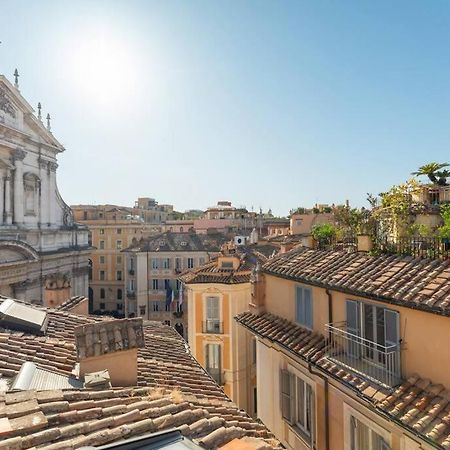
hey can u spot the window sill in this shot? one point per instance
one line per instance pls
(302, 435)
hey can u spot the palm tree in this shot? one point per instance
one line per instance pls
(442, 176)
(431, 170)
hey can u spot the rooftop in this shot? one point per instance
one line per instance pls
(179, 242)
(417, 404)
(402, 280)
(173, 391)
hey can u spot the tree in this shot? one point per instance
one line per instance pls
(434, 172)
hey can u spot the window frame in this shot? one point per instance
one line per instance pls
(304, 317)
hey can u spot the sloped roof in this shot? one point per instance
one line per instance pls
(403, 280)
(180, 242)
(56, 419)
(71, 303)
(417, 404)
(173, 391)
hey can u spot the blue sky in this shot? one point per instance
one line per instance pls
(270, 104)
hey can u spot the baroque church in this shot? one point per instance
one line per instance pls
(44, 255)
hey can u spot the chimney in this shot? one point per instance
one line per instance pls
(365, 243)
(258, 290)
(110, 346)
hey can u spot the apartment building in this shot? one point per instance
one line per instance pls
(216, 292)
(112, 228)
(153, 266)
(351, 350)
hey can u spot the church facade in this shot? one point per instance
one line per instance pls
(44, 254)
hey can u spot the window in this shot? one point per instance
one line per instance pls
(190, 263)
(227, 264)
(212, 315)
(102, 245)
(119, 275)
(179, 307)
(201, 261)
(297, 403)
(166, 263)
(119, 306)
(155, 264)
(102, 306)
(380, 327)
(102, 260)
(119, 294)
(155, 284)
(166, 284)
(119, 230)
(178, 263)
(155, 305)
(85, 215)
(131, 285)
(253, 344)
(119, 245)
(119, 259)
(102, 275)
(362, 437)
(303, 306)
(213, 361)
(167, 322)
(142, 310)
(101, 231)
(102, 293)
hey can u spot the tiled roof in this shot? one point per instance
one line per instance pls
(71, 303)
(211, 272)
(57, 420)
(95, 339)
(416, 404)
(404, 280)
(180, 242)
(173, 391)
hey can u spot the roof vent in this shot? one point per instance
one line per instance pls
(20, 317)
(161, 243)
(97, 380)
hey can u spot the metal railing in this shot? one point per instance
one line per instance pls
(417, 246)
(217, 375)
(213, 326)
(131, 294)
(131, 271)
(366, 358)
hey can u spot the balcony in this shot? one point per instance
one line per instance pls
(217, 375)
(368, 359)
(131, 294)
(131, 271)
(213, 327)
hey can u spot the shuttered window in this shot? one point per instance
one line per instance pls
(304, 307)
(287, 395)
(364, 438)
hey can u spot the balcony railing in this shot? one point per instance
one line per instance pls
(131, 294)
(131, 271)
(217, 375)
(370, 360)
(213, 326)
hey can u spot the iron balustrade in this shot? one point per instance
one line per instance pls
(131, 294)
(370, 360)
(213, 326)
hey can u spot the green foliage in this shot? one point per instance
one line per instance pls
(324, 232)
(420, 229)
(444, 230)
(434, 172)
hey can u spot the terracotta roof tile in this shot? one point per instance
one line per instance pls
(417, 283)
(417, 403)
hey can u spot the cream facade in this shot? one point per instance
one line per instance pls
(43, 253)
(334, 400)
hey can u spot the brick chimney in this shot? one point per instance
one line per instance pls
(365, 243)
(110, 345)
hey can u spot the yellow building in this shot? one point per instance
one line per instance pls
(352, 350)
(112, 229)
(216, 293)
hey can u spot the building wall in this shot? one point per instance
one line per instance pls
(421, 335)
(236, 343)
(303, 223)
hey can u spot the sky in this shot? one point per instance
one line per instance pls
(271, 104)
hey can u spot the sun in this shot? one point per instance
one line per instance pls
(102, 64)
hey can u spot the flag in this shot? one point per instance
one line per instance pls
(169, 296)
(172, 298)
(180, 295)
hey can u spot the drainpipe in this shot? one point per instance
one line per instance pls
(330, 310)
(327, 425)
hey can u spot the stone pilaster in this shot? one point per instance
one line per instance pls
(8, 212)
(44, 172)
(52, 192)
(19, 155)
